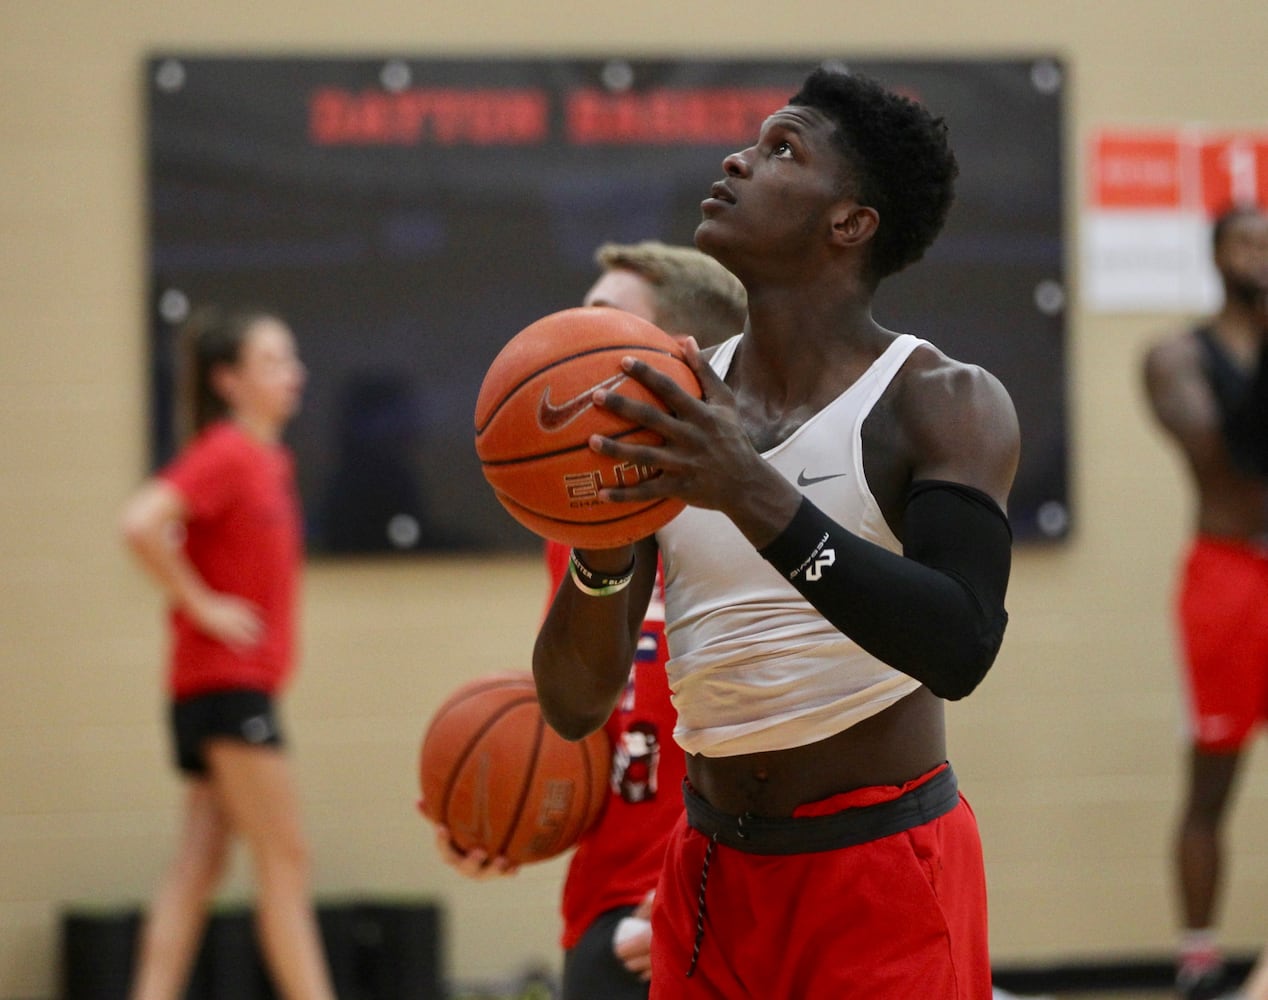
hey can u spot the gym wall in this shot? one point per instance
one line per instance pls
(1070, 752)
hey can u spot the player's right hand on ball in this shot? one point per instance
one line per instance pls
(473, 864)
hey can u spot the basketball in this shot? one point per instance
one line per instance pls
(534, 418)
(502, 780)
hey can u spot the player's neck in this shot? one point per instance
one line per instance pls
(261, 429)
(1237, 326)
(796, 313)
(800, 354)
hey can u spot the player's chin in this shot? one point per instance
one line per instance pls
(711, 236)
(706, 231)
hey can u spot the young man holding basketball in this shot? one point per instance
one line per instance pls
(839, 571)
(612, 874)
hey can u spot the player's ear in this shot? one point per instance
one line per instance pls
(854, 224)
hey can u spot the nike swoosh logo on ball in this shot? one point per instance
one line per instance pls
(804, 480)
(552, 418)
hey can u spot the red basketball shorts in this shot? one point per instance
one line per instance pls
(1223, 614)
(895, 918)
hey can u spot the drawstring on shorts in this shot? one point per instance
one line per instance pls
(704, 882)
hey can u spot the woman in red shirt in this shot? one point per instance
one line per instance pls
(219, 531)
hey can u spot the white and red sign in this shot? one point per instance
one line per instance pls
(1152, 194)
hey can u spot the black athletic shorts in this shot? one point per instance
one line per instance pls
(591, 968)
(248, 716)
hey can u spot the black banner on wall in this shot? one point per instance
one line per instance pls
(408, 216)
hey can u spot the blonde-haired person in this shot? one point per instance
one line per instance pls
(219, 531)
(612, 875)
(685, 292)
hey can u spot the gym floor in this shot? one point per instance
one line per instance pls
(1129, 981)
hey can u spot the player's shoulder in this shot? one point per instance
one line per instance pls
(958, 421)
(931, 376)
(946, 406)
(222, 445)
(1174, 351)
(1182, 341)
(220, 435)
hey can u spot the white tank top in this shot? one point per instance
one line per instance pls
(753, 666)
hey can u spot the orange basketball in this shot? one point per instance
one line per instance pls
(534, 418)
(502, 780)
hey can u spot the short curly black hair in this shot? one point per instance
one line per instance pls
(898, 158)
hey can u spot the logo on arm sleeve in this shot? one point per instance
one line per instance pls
(826, 558)
(814, 564)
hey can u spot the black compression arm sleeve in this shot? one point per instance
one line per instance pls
(936, 612)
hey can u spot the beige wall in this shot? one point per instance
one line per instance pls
(1069, 751)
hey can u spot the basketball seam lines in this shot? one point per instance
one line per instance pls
(530, 777)
(456, 771)
(629, 511)
(582, 446)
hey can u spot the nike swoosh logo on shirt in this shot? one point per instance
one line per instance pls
(551, 417)
(804, 480)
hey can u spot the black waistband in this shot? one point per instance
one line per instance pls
(807, 834)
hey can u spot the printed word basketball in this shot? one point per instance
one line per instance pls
(534, 417)
(502, 780)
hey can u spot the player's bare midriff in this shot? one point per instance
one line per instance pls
(892, 747)
(1233, 505)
